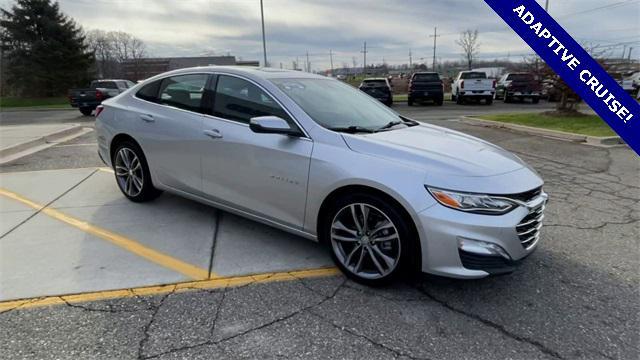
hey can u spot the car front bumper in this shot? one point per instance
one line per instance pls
(469, 246)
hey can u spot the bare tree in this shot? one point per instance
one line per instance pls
(114, 48)
(469, 43)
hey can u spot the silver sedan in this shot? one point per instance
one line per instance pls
(318, 158)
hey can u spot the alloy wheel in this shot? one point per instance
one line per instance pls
(129, 172)
(365, 241)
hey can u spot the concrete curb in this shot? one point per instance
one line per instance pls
(591, 140)
(31, 146)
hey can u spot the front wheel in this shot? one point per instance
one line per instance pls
(370, 240)
(132, 173)
(489, 100)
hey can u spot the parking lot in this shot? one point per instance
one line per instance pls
(86, 274)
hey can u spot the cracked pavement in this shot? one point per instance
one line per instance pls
(576, 297)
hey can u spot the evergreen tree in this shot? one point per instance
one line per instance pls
(44, 50)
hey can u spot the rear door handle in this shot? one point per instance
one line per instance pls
(213, 133)
(147, 118)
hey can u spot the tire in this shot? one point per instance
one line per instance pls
(489, 100)
(86, 111)
(535, 100)
(507, 99)
(439, 101)
(459, 100)
(136, 185)
(358, 256)
(410, 101)
(453, 97)
(389, 103)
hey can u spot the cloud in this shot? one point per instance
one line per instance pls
(295, 27)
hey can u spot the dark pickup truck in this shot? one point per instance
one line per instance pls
(518, 86)
(88, 100)
(378, 88)
(425, 86)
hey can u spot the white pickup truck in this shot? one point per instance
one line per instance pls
(473, 85)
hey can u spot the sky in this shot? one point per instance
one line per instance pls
(391, 28)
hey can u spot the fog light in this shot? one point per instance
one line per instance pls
(482, 248)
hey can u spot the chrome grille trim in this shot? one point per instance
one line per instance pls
(528, 229)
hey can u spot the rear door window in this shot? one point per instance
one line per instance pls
(183, 91)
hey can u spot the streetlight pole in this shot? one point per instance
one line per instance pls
(264, 43)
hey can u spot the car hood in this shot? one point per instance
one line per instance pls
(437, 150)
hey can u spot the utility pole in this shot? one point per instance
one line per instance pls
(364, 61)
(331, 59)
(264, 43)
(308, 63)
(410, 60)
(629, 56)
(434, 36)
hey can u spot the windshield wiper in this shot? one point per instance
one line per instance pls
(390, 124)
(352, 129)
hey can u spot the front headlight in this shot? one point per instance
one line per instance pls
(474, 203)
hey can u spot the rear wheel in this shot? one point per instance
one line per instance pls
(489, 100)
(370, 240)
(439, 101)
(132, 173)
(459, 100)
(86, 111)
(507, 98)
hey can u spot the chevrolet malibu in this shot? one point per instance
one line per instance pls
(315, 157)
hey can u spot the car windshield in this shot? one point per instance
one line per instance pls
(474, 75)
(426, 77)
(333, 104)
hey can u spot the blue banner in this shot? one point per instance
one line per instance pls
(574, 65)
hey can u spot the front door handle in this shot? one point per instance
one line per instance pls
(147, 118)
(213, 133)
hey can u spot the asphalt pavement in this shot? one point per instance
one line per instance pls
(576, 297)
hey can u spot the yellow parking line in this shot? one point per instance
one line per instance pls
(106, 169)
(132, 246)
(216, 283)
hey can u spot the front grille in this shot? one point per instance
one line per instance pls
(529, 227)
(525, 196)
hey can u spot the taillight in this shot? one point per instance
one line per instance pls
(494, 84)
(461, 84)
(99, 110)
(99, 95)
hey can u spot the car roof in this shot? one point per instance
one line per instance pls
(250, 71)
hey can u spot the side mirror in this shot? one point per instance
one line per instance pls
(272, 125)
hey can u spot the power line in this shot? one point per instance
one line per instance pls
(609, 6)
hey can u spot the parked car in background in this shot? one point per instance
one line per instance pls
(425, 86)
(379, 88)
(311, 155)
(518, 86)
(473, 85)
(88, 99)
